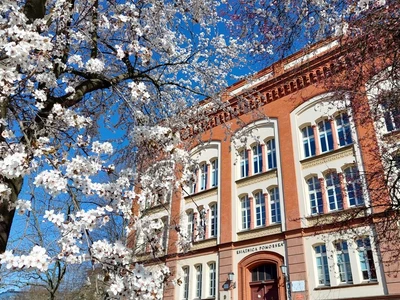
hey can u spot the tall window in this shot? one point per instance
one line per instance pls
(391, 114)
(193, 181)
(260, 209)
(353, 186)
(165, 232)
(271, 154)
(315, 195)
(185, 283)
(343, 130)
(214, 173)
(366, 259)
(245, 205)
(334, 191)
(322, 265)
(214, 220)
(257, 159)
(199, 281)
(204, 176)
(244, 164)
(308, 141)
(213, 279)
(190, 223)
(325, 135)
(275, 206)
(343, 262)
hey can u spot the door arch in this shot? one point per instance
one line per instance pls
(260, 277)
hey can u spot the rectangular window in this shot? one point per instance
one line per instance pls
(271, 154)
(260, 209)
(185, 283)
(204, 176)
(391, 114)
(325, 135)
(165, 233)
(244, 164)
(308, 141)
(366, 259)
(315, 195)
(343, 130)
(334, 191)
(213, 279)
(199, 281)
(343, 262)
(257, 159)
(214, 173)
(190, 224)
(353, 186)
(245, 205)
(322, 265)
(214, 220)
(275, 205)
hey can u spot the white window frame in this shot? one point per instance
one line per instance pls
(259, 207)
(343, 129)
(343, 262)
(308, 141)
(199, 280)
(271, 154)
(366, 258)
(244, 164)
(315, 195)
(257, 159)
(203, 176)
(333, 191)
(354, 190)
(322, 265)
(186, 281)
(214, 220)
(212, 271)
(214, 172)
(245, 212)
(325, 136)
(190, 223)
(275, 205)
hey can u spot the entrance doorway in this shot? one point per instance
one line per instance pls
(260, 277)
(264, 283)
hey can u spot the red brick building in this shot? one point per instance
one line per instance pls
(275, 202)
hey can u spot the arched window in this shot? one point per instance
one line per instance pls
(343, 262)
(315, 195)
(257, 159)
(245, 212)
(334, 191)
(275, 205)
(199, 280)
(308, 141)
(212, 271)
(343, 129)
(271, 154)
(185, 284)
(366, 259)
(260, 209)
(214, 172)
(322, 265)
(190, 223)
(325, 135)
(244, 164)
(353, 186)
(213, 220)
(203, 176)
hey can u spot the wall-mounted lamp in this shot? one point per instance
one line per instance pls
(231, 276)
(230, 282)
(284, 270)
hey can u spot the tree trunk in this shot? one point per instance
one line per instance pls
(6, 215)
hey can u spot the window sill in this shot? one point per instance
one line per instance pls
(327, 154)
(201, 192)
(346, 285)
(268, 172)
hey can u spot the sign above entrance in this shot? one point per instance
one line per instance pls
(259, 248)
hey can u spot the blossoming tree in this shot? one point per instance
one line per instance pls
(72, 71)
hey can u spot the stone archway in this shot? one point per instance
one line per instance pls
(267, 289)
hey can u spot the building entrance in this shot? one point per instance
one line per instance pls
(264, 285)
